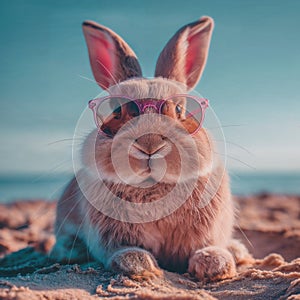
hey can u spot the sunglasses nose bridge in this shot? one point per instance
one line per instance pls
(149, 106)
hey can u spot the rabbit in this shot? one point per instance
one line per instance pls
(192, 238)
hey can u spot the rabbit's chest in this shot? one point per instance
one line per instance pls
(172, 244)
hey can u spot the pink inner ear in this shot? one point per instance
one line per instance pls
(102, 53)
(192, 52)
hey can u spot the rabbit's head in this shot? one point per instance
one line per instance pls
(147, 138)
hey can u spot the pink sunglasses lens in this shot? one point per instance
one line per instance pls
(187, 110)
(113, 112)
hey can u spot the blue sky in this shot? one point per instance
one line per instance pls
(251, 78)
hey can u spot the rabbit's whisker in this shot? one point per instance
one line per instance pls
(225, 126)
(65, 140)
(234, 144)
(236, 159)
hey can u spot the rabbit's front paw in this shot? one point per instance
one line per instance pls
(136, 263)
(212, 264)
(240, 252)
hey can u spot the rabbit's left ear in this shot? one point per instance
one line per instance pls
(184, 57)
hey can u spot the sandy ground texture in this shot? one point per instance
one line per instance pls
(269, 225)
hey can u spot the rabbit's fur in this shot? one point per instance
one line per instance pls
(197, 236)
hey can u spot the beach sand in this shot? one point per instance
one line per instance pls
(269, 225)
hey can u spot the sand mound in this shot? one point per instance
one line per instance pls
(267, 224)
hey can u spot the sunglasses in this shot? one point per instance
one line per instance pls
(112, 112)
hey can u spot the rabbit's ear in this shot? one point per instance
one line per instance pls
(184, 57)
(112, 60)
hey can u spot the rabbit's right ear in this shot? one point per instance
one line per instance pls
(112, 60)
(184, 57)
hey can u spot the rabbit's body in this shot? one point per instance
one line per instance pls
(172, 240)
(195, 236)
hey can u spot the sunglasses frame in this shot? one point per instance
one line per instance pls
(144, 103)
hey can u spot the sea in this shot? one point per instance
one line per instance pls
(41, 186)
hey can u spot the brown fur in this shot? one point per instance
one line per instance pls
(196, 235)
(173, 239)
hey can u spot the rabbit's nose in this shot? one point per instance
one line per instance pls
(150, 143)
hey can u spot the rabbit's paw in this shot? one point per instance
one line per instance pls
(240, 252)
(136, 263)
(212, 264)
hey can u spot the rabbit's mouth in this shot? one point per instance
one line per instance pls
(151, 168)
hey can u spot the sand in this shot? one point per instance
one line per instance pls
(269, 225)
